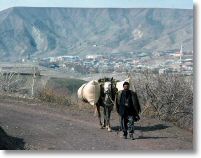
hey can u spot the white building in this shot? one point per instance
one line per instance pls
(93, 57)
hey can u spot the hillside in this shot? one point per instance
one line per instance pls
(42, 32)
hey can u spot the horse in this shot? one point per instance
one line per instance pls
(106, 100)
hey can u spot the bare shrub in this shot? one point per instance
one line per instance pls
(10, 82)
(168, 97)
(49, 95)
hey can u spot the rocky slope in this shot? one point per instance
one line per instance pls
(41, 32)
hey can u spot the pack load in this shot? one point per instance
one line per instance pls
(89, 92)
(119, 85)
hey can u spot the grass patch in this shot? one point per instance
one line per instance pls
(62, 91)
(67, 85)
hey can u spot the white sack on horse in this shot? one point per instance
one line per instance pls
(79, 92)
(90, 92)
(119, 85)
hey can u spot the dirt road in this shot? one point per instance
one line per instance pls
(31, 125)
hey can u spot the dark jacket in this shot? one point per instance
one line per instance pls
(132, 109)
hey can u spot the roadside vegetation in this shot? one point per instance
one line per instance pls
(167, 97)
(61, 91)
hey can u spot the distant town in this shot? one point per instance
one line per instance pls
(172, 61)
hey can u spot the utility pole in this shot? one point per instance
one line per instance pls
(180, 58)
(33, 82)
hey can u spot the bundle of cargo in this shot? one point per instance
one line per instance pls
(119, 85)
(89, 92)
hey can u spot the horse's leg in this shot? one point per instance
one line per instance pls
(109, 114)
(99, 114)
(104, 114)
(107, 118)
(95, 111)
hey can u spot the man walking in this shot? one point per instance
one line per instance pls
(128, 108)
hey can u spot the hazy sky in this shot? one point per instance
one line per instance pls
(184, 4)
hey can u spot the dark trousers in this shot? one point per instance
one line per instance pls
(127, 124)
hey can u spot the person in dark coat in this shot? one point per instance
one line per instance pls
(128, 107)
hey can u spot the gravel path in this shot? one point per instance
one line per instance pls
(35, 126)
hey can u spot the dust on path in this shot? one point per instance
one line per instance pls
(44, 127)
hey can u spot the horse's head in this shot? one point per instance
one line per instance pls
(110, 88)
(107, 87)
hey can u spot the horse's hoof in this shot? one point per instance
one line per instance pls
(109, 129)
(102, 126)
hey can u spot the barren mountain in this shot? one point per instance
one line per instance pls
(42, 32)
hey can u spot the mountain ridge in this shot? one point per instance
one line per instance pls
(43, 32)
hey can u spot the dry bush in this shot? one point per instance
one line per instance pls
(168, 97)
(49, 95)
(10, 82)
